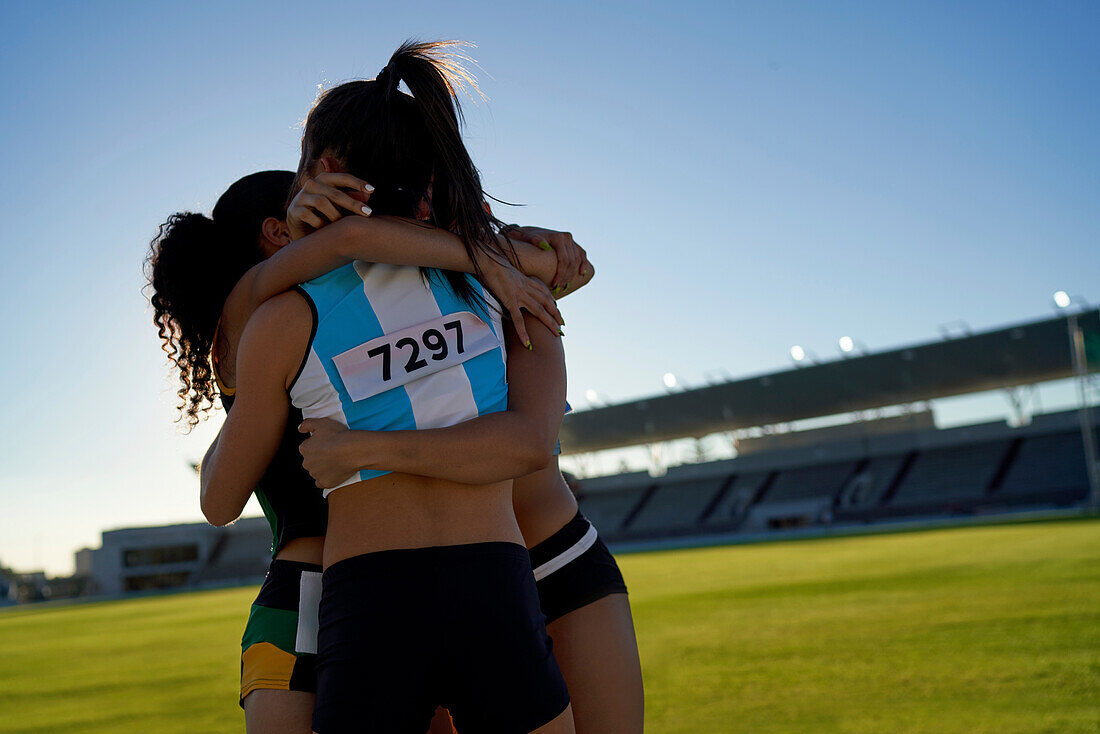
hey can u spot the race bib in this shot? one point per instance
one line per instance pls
(399, 358)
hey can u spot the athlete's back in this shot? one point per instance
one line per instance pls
(393, 350)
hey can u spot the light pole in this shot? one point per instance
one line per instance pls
(1079, 359)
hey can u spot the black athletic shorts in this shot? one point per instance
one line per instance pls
(403, 631)
(573, 568)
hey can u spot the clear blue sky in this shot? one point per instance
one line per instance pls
(745, 176)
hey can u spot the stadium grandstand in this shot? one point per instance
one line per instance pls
(840, 478)
(864, 471)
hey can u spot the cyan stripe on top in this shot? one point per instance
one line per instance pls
(486, 372)
(345, 320)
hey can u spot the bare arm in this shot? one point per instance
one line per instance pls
(269, 355)
(382, 240)
(491, 448)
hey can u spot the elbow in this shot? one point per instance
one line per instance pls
(216, 517)
(586, 278)
(531, 462)
(537, 452)
(216, 514)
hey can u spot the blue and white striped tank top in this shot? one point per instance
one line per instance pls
(392, 352)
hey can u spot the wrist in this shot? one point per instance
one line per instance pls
(366, 450)
(536, 262)
(351, 454)
(485, 261)
(497, 256)
(344, 245)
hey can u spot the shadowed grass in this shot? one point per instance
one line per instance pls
(982, 629)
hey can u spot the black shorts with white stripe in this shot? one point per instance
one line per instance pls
(573, 568)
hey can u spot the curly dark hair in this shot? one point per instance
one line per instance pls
(194, 261)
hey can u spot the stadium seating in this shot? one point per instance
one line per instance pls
(608, 502)
(1047, 468)
(676, 507)
(809, 482)
(730, 509)
(929, 473)
(868, 486)
(799, 496)
(950, 475)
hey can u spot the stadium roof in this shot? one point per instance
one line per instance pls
(1017, 355)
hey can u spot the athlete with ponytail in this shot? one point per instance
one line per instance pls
(582, 592)
(195, 261)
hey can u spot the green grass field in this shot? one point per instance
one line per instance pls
(981, 629)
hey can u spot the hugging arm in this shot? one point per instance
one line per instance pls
(397, 242)
(491, 448)
(269, 353)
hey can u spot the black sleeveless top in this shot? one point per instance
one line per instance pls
(291, 502)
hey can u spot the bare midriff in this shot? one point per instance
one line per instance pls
(543, 504)
(405, 511)
(303, 550)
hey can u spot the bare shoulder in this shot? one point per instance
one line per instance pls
(288, 314)
(278, 333)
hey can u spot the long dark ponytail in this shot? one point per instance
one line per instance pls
(409, 147)
(194, 261)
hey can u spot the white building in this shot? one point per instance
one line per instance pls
(192, 555)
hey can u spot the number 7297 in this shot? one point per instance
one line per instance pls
(432, 339)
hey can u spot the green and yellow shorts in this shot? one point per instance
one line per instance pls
(279, 646)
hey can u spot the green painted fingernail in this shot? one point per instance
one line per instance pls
(561, 333)
(530, 347)
(545, 245)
